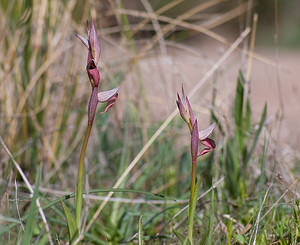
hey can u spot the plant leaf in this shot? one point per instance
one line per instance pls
(248, 116)
(238, 101)
(257, 133)
(70, 221)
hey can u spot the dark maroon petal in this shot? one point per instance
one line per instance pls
(210, 145)
(191, 114)
(194, 141)
(93, 73)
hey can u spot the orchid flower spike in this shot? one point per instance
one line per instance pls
(187, 115)
(93, 45)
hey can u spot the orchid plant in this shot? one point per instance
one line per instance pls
(109, 97)
(202, 136)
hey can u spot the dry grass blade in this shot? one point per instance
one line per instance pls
(251, 48)
(156, 26)
(247, 85)
(258, 216)
(180, 18)
(172, 23)
(158, 12)
(29, 188)
(202, 29)
(17, 205)
(233, 47)
(43, 68)
(226, 17)
(67, 151)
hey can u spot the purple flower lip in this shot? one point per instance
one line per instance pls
(109, 96)
(208, 142)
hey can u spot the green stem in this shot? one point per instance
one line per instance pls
(192, 203)
(80, 177)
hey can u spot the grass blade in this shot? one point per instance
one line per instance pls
(31, 221)
(70, 221)
(238, 102)
(257, 134)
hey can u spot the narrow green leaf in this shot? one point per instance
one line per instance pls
(187, 241)
(80, 178)
(258, 131)
(9, 219)
(211, 219)
(238, 101)
(32, 216)
(248, 116)
(70, 221)
(230, 231)
(197, 188)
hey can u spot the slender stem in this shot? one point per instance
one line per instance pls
(192, 206)
(80, 177)
(91, 115)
